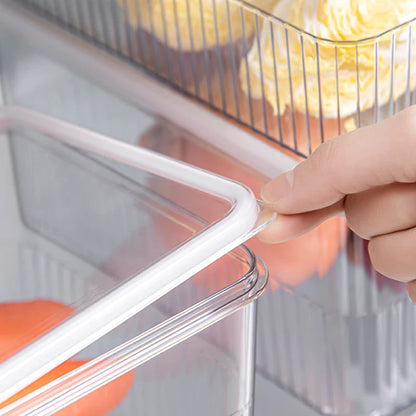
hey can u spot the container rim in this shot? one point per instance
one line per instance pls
(278, 20)
(145, 287)
(146, 346)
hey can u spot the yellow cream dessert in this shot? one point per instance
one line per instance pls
(292, 57)
(192, 24)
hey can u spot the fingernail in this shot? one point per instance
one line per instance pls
(278, 188)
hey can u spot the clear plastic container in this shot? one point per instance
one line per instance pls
(331, 331)
(101, 273)
(262, 62)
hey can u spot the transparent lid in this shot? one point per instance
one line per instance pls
(90, 197)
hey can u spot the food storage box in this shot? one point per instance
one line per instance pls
(332, 331)
(101, 274)
(277, 67)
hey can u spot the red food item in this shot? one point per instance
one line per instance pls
(297, 131)
(100, 402)
(290, 263)
(293, 262)
(23, 322)
(308, 139)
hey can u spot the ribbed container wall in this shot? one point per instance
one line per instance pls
(332, 331)
(242, 59)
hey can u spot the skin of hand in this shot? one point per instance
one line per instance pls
(370, 175)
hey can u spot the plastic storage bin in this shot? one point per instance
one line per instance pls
(101, 274)
(268, 64)
(339, 337)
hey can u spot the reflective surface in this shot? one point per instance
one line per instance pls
(255, 61)
(331, 332)
(74, 227)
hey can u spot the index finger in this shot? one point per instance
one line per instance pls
(372, 156)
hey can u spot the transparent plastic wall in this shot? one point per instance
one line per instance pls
(331, 331)
(75, 229)
(243, 59)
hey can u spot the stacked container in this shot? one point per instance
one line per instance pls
(331, 330)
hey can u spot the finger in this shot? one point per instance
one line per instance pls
(393, 255)
(376, 155)
(286, 227)
(382, 210)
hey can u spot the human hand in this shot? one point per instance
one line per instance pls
(370, 174)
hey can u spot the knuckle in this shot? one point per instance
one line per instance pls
(328, 150)
(327, 155)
